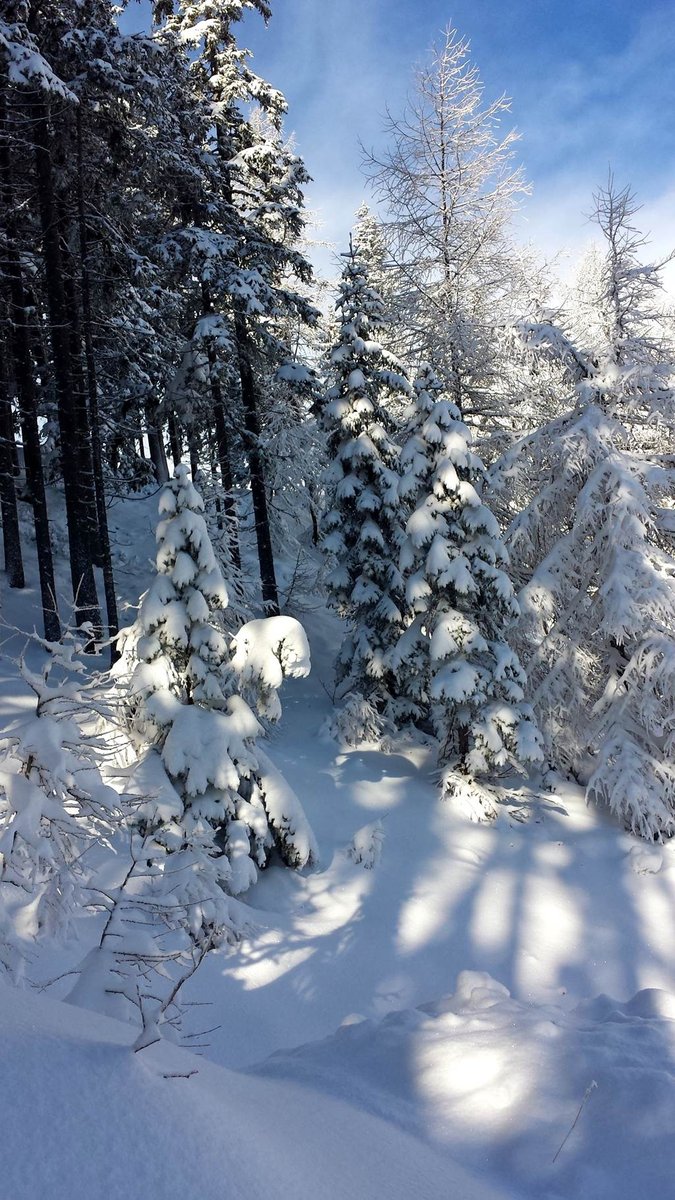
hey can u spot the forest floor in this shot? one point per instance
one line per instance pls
(470, 1011)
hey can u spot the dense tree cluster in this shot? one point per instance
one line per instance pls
(152, 281)
(490, 480)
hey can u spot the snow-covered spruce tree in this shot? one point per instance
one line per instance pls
(210, 807)
(54, 808)
(591, 546)
(454, 663)
(369, 237)
(362, 525)
(185, 700)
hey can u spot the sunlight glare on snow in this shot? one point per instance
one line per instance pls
(426, 914)
(492, 922)
(261, 963)
(553, 923)
(655, 907)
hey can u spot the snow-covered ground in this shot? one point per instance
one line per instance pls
(366, 1044)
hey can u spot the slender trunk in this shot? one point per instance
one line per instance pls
(222, 443)
(19, 333)
(268, 580)
(214, 476)
(11, 538)
(175, 439)
(194, 455)
(81, 566)
(156, 444)
(85, 461)
(270, 593)
(92, 389)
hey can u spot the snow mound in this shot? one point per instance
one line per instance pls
(267, 651)
(365, 847)
(507, 1087)
(85, 1118)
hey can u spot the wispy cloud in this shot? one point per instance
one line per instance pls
(591, 81)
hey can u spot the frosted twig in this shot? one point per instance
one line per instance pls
(591, 1088)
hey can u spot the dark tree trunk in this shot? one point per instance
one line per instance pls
(194, 456)
(175, 439)
(81, 566)
(25, 384)
(156, 444)
(222, 444)
(268, 579)
(92, 388)
(256, 465)
(80, 389)
(11, 539)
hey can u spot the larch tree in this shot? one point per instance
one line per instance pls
(447, 186)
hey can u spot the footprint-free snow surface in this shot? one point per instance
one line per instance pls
(366, 1043)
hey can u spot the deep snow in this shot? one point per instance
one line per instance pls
(379, 1083)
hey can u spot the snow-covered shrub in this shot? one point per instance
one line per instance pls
(266, 652)
(209, 807)
(365, 848)
(355, 720)
(54, 808)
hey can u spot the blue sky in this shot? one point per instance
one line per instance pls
(592, 84)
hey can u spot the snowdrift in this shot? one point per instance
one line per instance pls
(84, 1118)
(499, 1085)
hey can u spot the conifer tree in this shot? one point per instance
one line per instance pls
(362, 526)
(241, 227)
(185, 699)
(447, 186)
(591, 552)
(454, 662)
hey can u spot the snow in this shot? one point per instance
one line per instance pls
(419, 1012)
(497, 1084)
(268, 650)
(161, 1123)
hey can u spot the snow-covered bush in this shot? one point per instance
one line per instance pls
(54, 809)
(209, 808)
(355, 720)
(365, 848)
(266, 652)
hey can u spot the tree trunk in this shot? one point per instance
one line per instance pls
(268, 579)
(156, 444)
(175, 440)
(19, 333)
(222, 443)
(194, 456)
(81, 566)
(8, 504)
(92, 388)
(80, 389)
